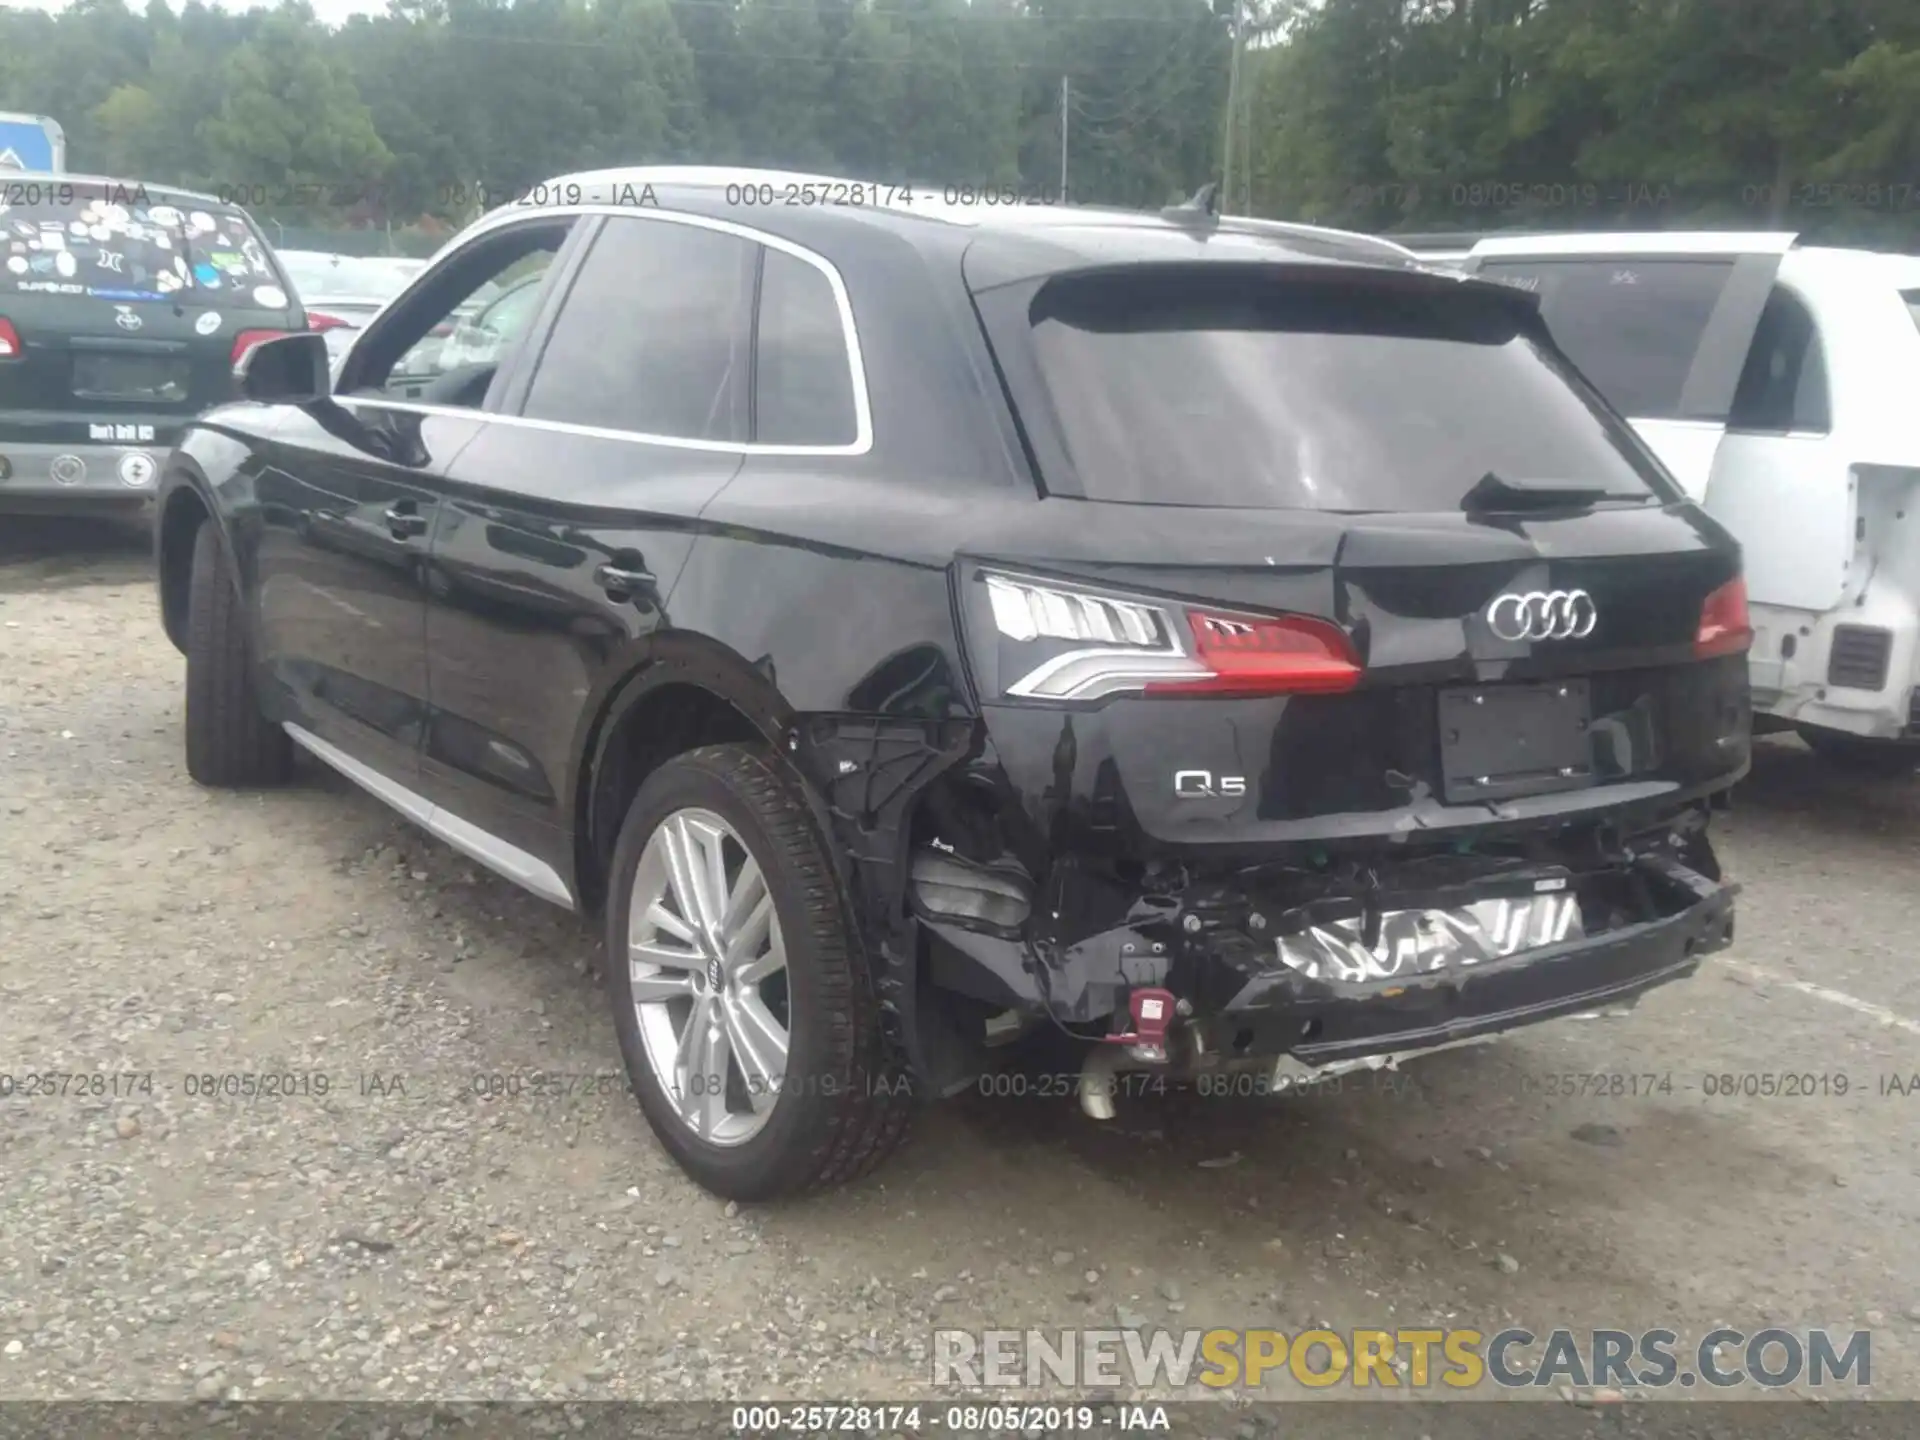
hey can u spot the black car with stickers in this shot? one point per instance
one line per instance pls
(123, 307)
(1236, 650)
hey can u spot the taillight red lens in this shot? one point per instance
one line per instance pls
(1725, 627)
(247, 339)
(1253, 655)
(318, 321)
(10, 346)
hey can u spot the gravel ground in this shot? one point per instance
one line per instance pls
(430, 1227)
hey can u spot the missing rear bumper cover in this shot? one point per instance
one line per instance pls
(1439, 952)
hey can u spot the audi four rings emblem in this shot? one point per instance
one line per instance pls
(1543, 615)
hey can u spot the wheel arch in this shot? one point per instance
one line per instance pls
(208, 478)
(182, 513)
(860, 775)
(686, 692)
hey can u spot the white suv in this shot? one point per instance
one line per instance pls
(1780, 384)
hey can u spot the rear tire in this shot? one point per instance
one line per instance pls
(1862, 756)
(841, 1099)
(230, 743)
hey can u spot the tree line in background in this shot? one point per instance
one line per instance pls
(1381, 114)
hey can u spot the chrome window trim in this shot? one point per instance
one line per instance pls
(862, 442)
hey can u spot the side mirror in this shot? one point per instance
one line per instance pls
(292, 369)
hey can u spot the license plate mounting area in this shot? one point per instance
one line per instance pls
(148, 379)
(1499, 742)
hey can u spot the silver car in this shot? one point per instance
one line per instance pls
(342, 292)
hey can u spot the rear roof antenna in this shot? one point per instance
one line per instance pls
(1203, 209)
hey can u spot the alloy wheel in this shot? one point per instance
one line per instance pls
(708, 972)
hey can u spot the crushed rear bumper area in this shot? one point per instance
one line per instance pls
(981, 928)
(1427, 954)
(1333, 1021)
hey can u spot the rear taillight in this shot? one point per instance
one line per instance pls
(318, 321)
(247, 339)
(1060, 643)
(1725, 627)
(1265, 655)
(10, 346)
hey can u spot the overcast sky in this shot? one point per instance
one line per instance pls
(331, 12)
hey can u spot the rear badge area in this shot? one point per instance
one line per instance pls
(1411, 943)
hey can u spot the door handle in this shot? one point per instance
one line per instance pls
(404, 521)
(620, 581)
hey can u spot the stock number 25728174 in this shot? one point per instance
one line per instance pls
(1025, 1085)
(749, 1420)
(767, 194)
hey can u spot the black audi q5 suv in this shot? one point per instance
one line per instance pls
(1235, 646)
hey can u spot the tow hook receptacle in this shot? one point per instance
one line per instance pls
(1143, 1044)
(1152, 1009)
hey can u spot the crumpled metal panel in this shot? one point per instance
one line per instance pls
(1419, 942)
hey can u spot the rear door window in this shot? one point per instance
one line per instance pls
(1912, 297)
(121, 243)
(652, 338)
(1631, 325)
(1208, 387)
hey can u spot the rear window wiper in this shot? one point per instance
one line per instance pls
(1496, 494)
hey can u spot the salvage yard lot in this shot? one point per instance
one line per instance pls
(394, 1211)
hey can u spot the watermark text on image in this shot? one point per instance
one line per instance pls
(1458, 1359)
(1896, 195)
(271, 1080)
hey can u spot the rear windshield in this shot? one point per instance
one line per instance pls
(119, 243)
(1212, 389)
(1631, 325)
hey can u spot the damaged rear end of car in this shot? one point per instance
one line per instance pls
(1359, 685)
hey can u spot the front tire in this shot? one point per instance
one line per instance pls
(1863, 756)
(746, 1016)
(230, 743)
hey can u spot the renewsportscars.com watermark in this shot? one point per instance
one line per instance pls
(1416, 1359)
